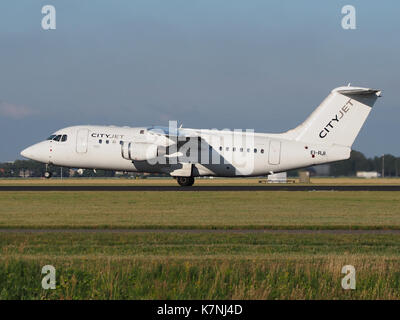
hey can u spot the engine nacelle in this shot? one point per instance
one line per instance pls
(141, 151)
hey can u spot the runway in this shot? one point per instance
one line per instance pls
(196, 231)
(136, 188)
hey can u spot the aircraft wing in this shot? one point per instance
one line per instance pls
(174, 133)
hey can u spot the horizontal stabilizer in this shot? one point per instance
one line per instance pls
(358, 91)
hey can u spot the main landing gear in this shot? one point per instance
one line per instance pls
(185, 181)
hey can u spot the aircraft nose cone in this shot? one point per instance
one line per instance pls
(38, 152)
(26, 153)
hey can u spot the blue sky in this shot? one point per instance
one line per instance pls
(208, 64)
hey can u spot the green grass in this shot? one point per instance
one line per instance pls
(164, 279)
(206, 210)
(199, 266)
(195, 245)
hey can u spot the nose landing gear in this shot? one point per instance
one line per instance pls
(47, 174)
(185, 181)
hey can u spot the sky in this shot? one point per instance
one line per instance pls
(262, 65)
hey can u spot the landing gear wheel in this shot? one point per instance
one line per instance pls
(47, 175)
(185, 181)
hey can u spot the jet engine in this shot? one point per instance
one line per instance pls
(141, 151)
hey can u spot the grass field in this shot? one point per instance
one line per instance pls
(160, 263)
(199, 181)
(199, 266)
(210, 210)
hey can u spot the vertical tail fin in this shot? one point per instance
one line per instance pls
(338, 119)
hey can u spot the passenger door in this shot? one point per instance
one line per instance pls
(82, 141)
(274, 155)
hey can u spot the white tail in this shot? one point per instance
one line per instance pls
(338, 119)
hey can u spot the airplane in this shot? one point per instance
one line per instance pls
(183, 153)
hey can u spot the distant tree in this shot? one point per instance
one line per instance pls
(37, 169)
(357, 162)
(98, 173)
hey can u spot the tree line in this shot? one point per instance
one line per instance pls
(357, 162)
(30, 168)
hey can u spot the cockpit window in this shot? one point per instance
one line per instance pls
(58, 137)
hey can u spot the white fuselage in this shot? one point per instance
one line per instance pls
(222, 153)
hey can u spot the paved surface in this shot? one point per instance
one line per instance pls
(244, 231)
(207, 188)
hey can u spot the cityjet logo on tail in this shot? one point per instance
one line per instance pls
(342, 112)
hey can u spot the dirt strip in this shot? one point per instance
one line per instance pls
(274, 187)
(238, 231)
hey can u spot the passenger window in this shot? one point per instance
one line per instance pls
(220, 148)
(227, 148)
(241, 149)
(262, 150)
(100, 141)
(64, 138)
(255, 150)
(141, 131)
(121, 142)
(57, 138)
(248, 149)
(107, 141)
(233, 149)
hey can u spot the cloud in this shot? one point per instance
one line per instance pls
(15, 111)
